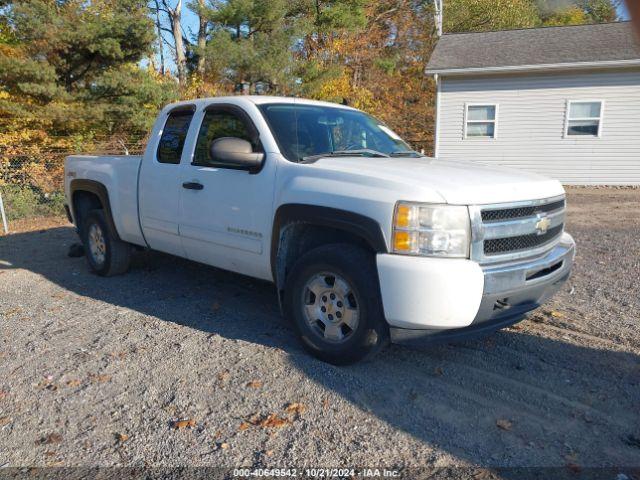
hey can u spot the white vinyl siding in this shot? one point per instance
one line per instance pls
(533, 120)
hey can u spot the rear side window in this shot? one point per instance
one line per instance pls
(173, 136)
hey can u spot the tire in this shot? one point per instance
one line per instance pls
(324, 324)
(106, 254)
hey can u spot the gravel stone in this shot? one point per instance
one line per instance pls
(97, 371)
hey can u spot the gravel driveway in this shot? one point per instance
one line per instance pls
(176, 363)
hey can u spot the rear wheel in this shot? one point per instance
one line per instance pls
(106, 254)
(333, 299)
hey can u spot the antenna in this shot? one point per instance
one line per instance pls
(438, 16)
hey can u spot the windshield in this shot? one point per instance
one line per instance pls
(304, 131)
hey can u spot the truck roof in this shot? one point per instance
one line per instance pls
(257, 100)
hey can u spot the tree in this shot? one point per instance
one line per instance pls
(486, 15)
(70, 76)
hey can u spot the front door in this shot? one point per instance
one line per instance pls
(226, 213)
(160, 186)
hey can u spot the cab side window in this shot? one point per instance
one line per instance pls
(173, 136)
(217, 124)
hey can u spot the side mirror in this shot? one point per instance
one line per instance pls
(236, 152)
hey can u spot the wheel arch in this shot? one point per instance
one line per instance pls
(297, 228)
(87, 195)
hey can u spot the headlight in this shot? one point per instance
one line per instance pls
(431, 230)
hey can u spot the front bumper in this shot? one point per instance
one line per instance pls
(448, 298)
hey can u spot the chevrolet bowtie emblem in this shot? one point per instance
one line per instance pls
(542, 225)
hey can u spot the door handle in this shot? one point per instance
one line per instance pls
(192, 185)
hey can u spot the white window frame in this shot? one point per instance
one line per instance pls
(495, 120)
(568, 113)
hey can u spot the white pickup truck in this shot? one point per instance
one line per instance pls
(365, 239)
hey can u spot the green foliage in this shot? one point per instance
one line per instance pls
(486, 15)
(22, 202)
(72, 66)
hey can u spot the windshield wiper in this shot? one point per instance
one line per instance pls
(365, 152)
(406, 153)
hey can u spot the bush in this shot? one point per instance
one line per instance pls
(26, 201)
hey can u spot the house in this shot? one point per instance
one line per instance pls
(562, 101)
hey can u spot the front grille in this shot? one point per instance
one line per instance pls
(522, 242)
(520, 212)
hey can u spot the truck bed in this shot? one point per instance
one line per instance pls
(119, 174)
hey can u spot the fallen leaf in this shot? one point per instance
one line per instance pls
(243, 426)
(254, 384)
(99, 378)
(274, 421)
(325, 403)
(224, 446)
(4, 421)
(73, 383)
(13, 311)
(59, 295)
(50, 439)
(222, 376)
(574, 467)
(504, 424)
(122, 437)
(296, 408)
(438, 371)
(556, 314)
(268, 453)
(184, 423)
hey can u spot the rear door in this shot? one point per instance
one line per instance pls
(226, 213)
(159, 184)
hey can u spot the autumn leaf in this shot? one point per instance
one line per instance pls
(50, 439)
(184, 423)
(4, 421)
(296, 408)
(243, 426)
(73, 383)
(274, 421)
(556, 314)
(121, 437)
(504, 424)
(222, 376)
(99, 378)
(254, 384)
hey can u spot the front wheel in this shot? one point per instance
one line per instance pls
(333, 299)
(107, 255)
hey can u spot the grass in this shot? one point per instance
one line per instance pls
(24, 202)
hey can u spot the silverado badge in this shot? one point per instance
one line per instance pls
(542, 225)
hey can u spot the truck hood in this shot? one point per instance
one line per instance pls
(457, 182)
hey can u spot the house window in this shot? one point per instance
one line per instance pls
(584, 118)
(480, 121)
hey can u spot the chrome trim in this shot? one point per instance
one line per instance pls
(513, 276)
(520, 226)
(481, 231)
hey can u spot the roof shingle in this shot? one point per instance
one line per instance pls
(536, 46)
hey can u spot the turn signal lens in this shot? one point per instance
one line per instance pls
(404, 241)
(404, 215)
